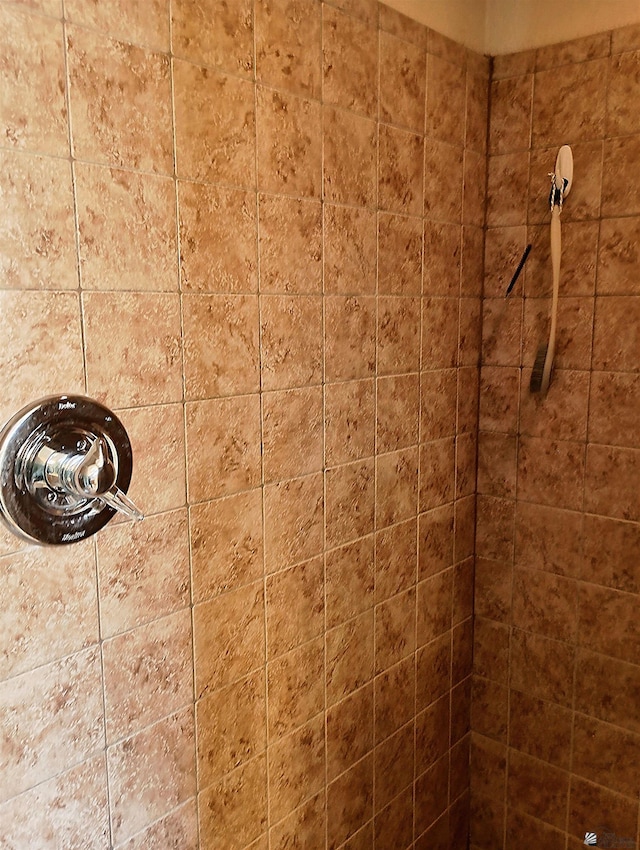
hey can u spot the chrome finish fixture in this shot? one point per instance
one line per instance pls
(65, 467)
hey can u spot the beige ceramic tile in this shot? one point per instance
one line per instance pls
(618, 257)
(350, 62)
(151, 773)
(349, 656)
(306, 824)
(574, 51)
(177, 829)
(620, 156)
(54, 717)
(70, 809)
(400, 170)
(613, 408)
(443, 166)
(562, 413)
(402, 82)
(437, 473)
(228, 637)
(399, 255)
(442, 259)
(510, 114)
(502, 331)
(36, 241)
(350, 337)
(214, 126)
(349, 163)
(395, 629)
(349, 250)
(551, 473)
(349, 731)
(290, 245)
(508, 176)
(445, 100)
(296, 768)
(474, 188)
(350, 498)
(42, 347)
(53, 587)
(477, 109)
(293, 520)
(350, 580)
(395, 687)
(622, 91)
(217, 239)
(221, 345)
(291, 340)
(446, 48)
(127, 229)
(402, 26)
(127, 21)
(295, 688)
(223, 446)
(231, 727)
(131, 128)
(143, 571)
(289, 144)
(440, 323)
(349, 421)
(295, 606)
(610, 479)
(504, 247)
(396, 486)
(226, 543)
(616, 344)
(438, 396)
(396, 559)
(161, 459)
(214, 33)
(514, 64)
(288, 45)
(132, 343)
(578, 264)
(569, 107)
(350, 806)
(148, 674)
(398, 404)
(398, 334)
(234, 809)
(584, 200)
(32, 105)
(292, 433)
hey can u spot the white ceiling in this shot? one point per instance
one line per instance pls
(506, 26)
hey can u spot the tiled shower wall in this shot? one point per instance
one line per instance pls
(556, 749)
(243, 227)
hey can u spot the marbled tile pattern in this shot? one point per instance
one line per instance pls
(555, 734)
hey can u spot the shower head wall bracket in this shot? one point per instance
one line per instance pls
(561, 178)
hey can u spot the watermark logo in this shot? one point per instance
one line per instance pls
(605, 838)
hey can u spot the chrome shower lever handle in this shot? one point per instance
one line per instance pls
(119, 501)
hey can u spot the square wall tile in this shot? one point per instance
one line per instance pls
(349, 421)
(400, 170)
(446, 93)
(221, 345)
(288, 45)
(120, 99)
(148, 674)
(290, 245)
(292, 433)
(399, 255)
(295, 606)
(289, 144)
(349, 158)
(143, 571)
(214, 33)
(234, 809)
(217, 239)
(214, 126)
(42, 347)
(291, 341)
(402, 82)
(34, 112)
(350, 62)
(293, 521)
(223, 446)
(61, 592)
(398, 334)
(37, 249)
(111, 203)
(132, 343)
(350, 337)
(349, 250)
(228, 637)
(127, 21)
(54, 717)
(226, 543)
(151, 773)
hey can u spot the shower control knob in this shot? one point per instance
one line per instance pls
(65, 467)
